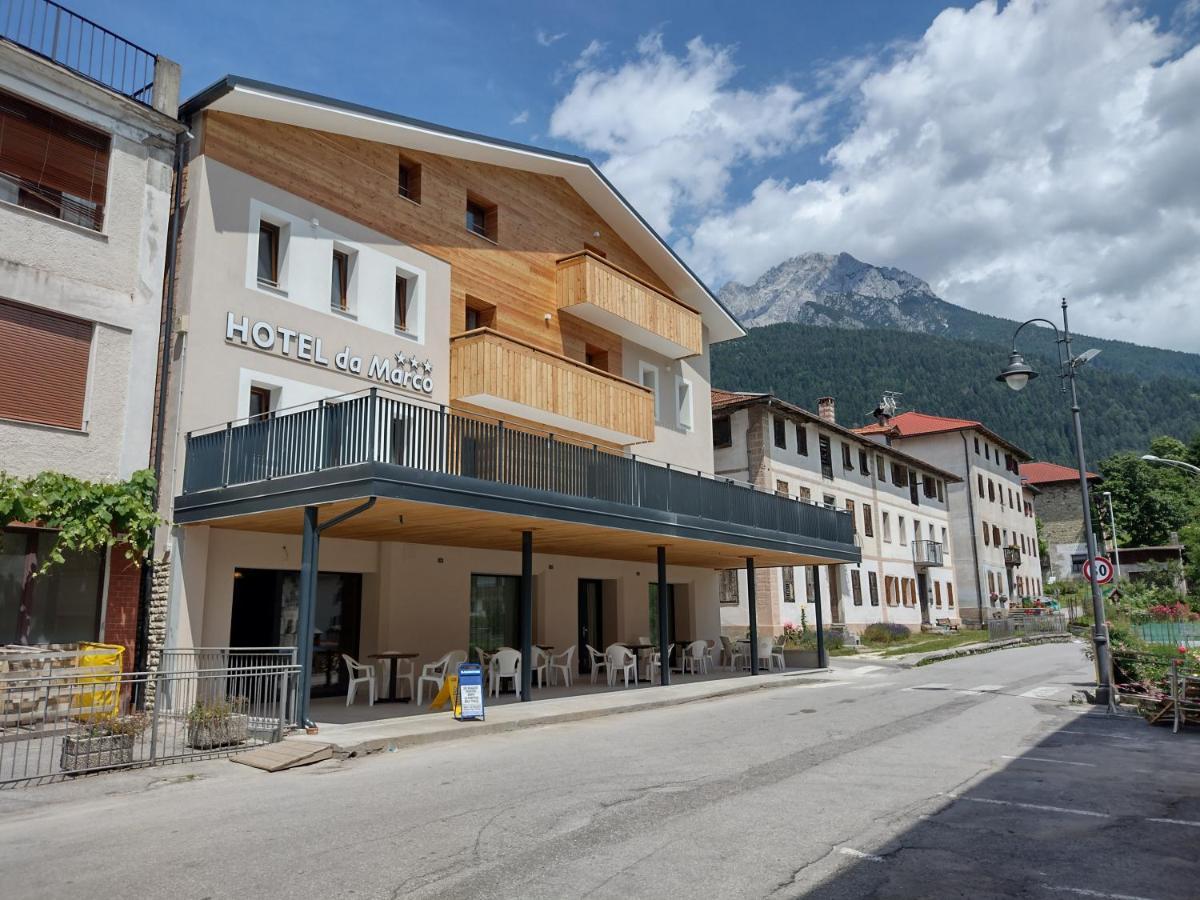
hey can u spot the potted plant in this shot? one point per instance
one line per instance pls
(102, 744)
(799, 648)
(217, 723)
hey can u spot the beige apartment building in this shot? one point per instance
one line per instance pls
(898, 503)
(993, 531)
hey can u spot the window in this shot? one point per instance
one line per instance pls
(268, 254)
(991, 491)
(937, 593)
(683, 403)
(949, 594)
(494, 607)
(728, 588)
(945, 548)
(862, 462)
(941, 491)
(804, 494)
(648, 376)
(260, 403)
(779, 432)
(903, 533)
(868, 521)
(52, 164)
(847, 459)
(596, 357)
(873, 587)
(887, 526)
(781, 488)
(482, 218)
(44, 369)
(981, 491)
(826, 457)
(830, 501)
(401, 303)
(1011, 503)
(478, 314)
(722, 432)
(987, 535)
(340, 282)
(996, 536)
(853, 519)
(789, 584)
(899, 475)
(61, 606)
(891, 590)
(408, 180)
(976, 446)
(856, 587)
(913, 496)
(987, 452)
(991, 582)
(929, 487)
(801, 439)
(880, 470)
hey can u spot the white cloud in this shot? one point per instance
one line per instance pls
(1007, 157)
(670, 128)
(520, 118)
(545, 38)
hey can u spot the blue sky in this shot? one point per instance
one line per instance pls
(1006, 153)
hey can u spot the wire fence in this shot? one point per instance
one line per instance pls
(60, 721)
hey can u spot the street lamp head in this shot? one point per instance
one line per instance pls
(1017, 373)
(1149, 457)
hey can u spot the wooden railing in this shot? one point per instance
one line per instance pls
(485, 363)
(585, 279)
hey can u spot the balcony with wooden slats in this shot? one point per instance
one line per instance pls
(606, 295)
(511, 378)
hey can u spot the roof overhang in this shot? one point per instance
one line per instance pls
(270, 102)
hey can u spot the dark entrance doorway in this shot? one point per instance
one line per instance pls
(266, 606)
(591, 621)
(923, 596)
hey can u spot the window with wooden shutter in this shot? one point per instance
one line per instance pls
(43, 365)
(56, 165)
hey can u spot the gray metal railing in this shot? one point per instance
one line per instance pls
(81, 45)
(1017, 624)
(372, 426)
(927, 553)
(57, 721)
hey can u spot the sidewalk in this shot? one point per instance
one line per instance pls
(359, 738)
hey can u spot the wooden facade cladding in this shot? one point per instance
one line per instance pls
(607, 296)
(507, 376)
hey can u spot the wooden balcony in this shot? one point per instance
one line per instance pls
(605, 295)
(511, 378)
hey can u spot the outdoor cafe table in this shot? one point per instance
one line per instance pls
(391, 656)
(638, 650)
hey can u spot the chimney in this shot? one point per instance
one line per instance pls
(825, 410)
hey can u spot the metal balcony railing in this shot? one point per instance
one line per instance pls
(373, 427)
(81, 45)
(927, 553)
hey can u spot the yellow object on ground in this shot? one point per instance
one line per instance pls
(98, 696)
(447, 694)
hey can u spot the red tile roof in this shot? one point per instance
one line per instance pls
(1050, 473)
(916, 424)
(724, 398)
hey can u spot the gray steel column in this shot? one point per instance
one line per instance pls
(822, 656)
(750, 592)
(663, 656)
(526, 617)
(309, 551)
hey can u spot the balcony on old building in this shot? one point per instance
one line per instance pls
(595, 290)
(927, 554)
(510, 378)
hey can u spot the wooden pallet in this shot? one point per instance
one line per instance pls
(284, 755)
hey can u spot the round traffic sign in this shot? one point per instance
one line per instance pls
(1099, 570)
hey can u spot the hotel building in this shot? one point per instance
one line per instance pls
(897, 503)
(437, 391)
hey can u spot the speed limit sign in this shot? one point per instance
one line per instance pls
(1099, 570)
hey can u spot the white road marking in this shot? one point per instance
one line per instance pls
(1038, 806)
(1115, 737)
(1061, 762)
(874, 685)
(932, 686)
(1084, 892)
(1176, 822)
(984, 689)
(863, 670)
(858, 854)
(1045, 692)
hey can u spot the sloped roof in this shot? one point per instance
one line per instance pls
(1051, 473)
(274, 103)
(916, 424)
(725, 398)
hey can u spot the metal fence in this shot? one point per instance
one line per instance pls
(371, 426)
(60, 722)
(81, 45)
(1172, 633)
(1021, 625)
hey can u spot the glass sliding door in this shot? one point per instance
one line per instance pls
(495, 612)
(61, 606)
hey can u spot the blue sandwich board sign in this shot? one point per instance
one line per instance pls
(468, 702)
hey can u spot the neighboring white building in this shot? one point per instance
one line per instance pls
(86, 162)
(993, 529)
(898, 503)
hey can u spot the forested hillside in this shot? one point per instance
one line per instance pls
(955, 377)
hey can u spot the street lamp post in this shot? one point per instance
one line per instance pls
(1177, 463)
(1112, 523)
(1017, 374)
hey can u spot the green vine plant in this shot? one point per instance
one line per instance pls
(88, 515)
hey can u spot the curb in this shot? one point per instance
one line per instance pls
(1006, 644)
(474, 729)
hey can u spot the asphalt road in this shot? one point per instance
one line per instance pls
(974, 778)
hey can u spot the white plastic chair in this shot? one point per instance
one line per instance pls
(541, 661)
(359, 673)
(768, 654)
(599, 661)
(732, 653)
(563, 662)
(434, 673)
(506, 663)
(710, 661)
(694, 657)
(654, 662)
(618, 657)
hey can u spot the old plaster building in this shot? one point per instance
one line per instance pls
(1060, 512)
(898, 504)
(993, 531)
